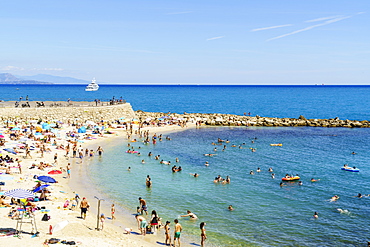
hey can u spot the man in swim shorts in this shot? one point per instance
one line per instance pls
(178, 229)
(143, 205)
(141, 224)
(84, 207)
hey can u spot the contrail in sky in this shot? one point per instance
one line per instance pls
(267, 28)
(219, 37)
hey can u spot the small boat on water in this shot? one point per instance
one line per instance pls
(350, 169)
(276, 144)
(93, 86)
(290, 178)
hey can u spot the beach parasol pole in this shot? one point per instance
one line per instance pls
(97, 220)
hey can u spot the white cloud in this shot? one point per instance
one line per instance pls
(219, 37)
(46, 69)
(11, 68)
(267, 28)
(312, 27)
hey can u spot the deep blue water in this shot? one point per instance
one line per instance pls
(345, 102)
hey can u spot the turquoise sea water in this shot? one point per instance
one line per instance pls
(265, 214)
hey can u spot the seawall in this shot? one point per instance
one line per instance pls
(80, 111)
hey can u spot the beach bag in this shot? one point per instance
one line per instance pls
(46, 217)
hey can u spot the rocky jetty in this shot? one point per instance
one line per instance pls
(257, 121)
(89, 111)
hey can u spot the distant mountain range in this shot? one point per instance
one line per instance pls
(7, 78)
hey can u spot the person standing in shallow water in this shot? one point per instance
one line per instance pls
(203, 235)
(178, 229)
(148, 181)
(100, 150)
(167, 233)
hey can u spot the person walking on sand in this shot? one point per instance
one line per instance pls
(178, 229)
(203, 235)
(55, 158)
(84, 205)
(167, 233)
(113, 210)
(141, 224)
(68, 170)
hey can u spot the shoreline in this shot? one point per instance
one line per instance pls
(77, 230)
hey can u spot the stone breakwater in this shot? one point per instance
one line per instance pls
(236, 120)
(81, 112)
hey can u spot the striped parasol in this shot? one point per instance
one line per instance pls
(19, 193)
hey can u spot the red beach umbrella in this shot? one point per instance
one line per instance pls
(54, 172)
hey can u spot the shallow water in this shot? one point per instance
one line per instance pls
(265, 214)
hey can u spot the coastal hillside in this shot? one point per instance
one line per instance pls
(54, 79)
(7, 78)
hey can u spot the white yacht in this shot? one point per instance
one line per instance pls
(93, 86)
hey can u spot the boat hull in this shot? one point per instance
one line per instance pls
(350, 169)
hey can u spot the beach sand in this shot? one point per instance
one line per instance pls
(83, 232)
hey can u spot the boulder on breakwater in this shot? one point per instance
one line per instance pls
(214, 119)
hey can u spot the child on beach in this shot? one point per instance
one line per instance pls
(102, 219)
(74, 203)
(113, 210)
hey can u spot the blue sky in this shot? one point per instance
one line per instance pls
(189, 42)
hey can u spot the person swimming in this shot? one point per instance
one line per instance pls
(316, 215)
(191, 215)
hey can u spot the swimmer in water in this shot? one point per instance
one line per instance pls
(270, 169)
(342, 211)
(206, 164)
(230, 208)
(334, 198)
(359, 195)
(194, 174)
(316, 215)
(191, 215)
(251, 172)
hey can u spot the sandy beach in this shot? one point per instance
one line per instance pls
(82, 232)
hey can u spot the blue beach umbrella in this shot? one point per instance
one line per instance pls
(16, 128)
(82, 130)
(45, 126)
(46, 179)
(19, 193)
(40, 188)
